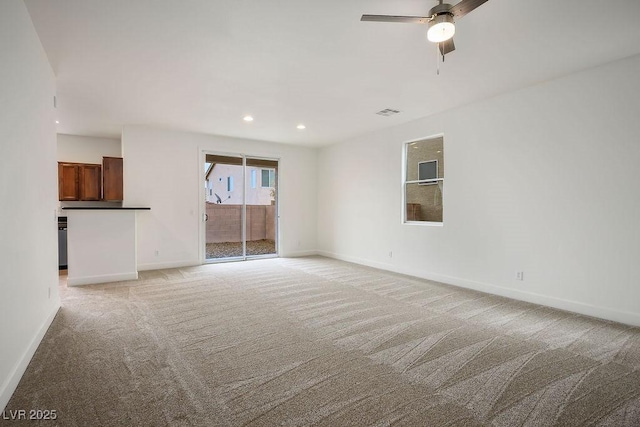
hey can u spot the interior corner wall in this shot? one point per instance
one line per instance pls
(86, 149)
(543, 180)
(28, 186)
(162, 170)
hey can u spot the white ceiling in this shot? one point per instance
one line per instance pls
(201, 65)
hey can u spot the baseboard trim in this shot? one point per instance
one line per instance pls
(606, 313)
(9, 387)
(297, 254)
(193, 263)
(164, 265)
(105, 278)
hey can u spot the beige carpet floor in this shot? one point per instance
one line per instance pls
(314, 341)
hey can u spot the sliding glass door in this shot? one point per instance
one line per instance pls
(261, 218)
(240, 213)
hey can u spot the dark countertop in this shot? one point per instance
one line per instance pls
(103, 208)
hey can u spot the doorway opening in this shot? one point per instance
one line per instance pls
(240, 212)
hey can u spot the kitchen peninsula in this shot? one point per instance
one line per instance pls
(101, 244)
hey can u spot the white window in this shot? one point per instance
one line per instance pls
(254, 178)
(424, 181)
(268, 178)
(229, 183)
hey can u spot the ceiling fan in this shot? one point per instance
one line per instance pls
(440, 21)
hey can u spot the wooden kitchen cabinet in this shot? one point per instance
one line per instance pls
(90, 182)
(68, 181)
(79, 181)
(112, 172)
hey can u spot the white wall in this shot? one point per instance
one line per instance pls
(543, 180)
(28, 187)
(164, 170)
(87, 149)
(102, 246)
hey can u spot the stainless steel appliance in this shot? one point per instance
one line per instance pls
(62, 242)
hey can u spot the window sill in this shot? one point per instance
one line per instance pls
(424, 223)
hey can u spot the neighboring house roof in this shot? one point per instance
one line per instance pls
(206, 176)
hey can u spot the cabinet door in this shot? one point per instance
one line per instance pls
(68, 182)
(112, 178)
(90, 180)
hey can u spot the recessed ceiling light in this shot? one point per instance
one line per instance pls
(57, 122)
(247, 118)
(301, 126)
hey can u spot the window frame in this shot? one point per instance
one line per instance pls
(271, 178)
(405, 182)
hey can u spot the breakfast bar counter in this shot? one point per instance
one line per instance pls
(101, 244)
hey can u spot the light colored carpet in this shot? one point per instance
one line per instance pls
(314, 341)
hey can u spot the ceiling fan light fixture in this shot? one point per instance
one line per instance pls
(441, 28)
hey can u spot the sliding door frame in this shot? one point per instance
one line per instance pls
(277, 214)
(202, 208)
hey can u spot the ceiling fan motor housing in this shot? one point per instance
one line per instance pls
(441, 9)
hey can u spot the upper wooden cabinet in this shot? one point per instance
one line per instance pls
(90, 182)
(112, 171)
(68, 181)
(79, 181)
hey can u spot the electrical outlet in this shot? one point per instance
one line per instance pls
(390, 254)
(157, 252)
(520, 275)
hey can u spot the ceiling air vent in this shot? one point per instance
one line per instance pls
(387, 112)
